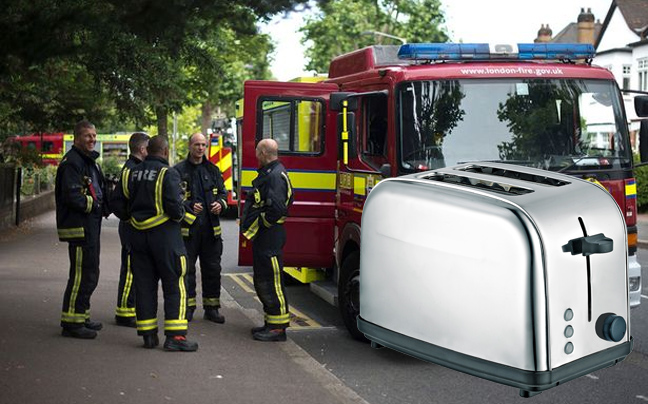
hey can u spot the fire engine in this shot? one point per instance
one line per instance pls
(388, 110)
(222, 152)
(48, 145)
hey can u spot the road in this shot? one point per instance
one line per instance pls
(388, 377)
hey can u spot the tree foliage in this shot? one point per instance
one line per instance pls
(342, 26)
(134, 61)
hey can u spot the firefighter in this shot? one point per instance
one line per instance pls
(125, 311)
(266, 208)
(150, 198)
(205, 199)
(79, 193)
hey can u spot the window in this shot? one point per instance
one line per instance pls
(374, 146)
(48, 146)
(642, 68)
(626, 77)
(296, 124)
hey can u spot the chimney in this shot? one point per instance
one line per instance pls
(586, 26)
(544, 34)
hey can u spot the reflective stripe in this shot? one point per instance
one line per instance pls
(125, 312)
(185, 232)
(192, 302)
(264, 220)
(289, 192)
(282, 220)
(78, 261)
(277, 284)
(89, 201)
(183, 292)
(147, 325)
(123, 303)
(299, 180)
(73, 318)
(189, 218)
(150, 222)
(252, 230)
(211, 301)
(158, 191)
(217, 231)
(124, 180)
(175, 325)
(280, 320)
(76, 232)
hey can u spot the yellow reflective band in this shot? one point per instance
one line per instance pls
(277, 284)
(279, 320)
(182, 316)
(190, 218)
(217, 231)
(282, 220)
(76, 232)
(78, 261)
(265, 221)
(175, 327)
(176, 322)
(289, 192)
(304, 180)
(359, 185)
(192, 301)
(89, 200)
(631, 189)
(252, 231)
(147, 322)
(125, 312)
(146, 325)
(127, 285)
(150, 222)
(257, 196)
(73, 318)
(158, 191)
(211, 301)
(124, 180)
(185, 232)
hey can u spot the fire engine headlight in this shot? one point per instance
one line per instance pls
(635, 283)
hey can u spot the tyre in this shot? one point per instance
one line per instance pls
(349, 294)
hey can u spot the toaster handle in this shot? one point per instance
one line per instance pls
(588, 245)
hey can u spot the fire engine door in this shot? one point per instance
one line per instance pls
(296, 116)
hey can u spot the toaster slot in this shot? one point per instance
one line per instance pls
(506, 173)
(495, 186)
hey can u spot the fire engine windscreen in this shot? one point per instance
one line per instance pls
(553, 124)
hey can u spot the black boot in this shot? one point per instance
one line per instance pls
(151, 341)
(81, 332)
(93, 325)
(126, 321)
(260, 328)
(270, 334)
(212, 314)
(179, 343)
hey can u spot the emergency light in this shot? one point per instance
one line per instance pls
(483, 51)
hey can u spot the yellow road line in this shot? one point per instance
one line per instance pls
(241, 283)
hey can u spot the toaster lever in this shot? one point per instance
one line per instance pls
(588, 245)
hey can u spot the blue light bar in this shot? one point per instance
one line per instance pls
(444, 51)
(482, 51)
(569, 51)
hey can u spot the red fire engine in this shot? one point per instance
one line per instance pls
(387, 111)
(48, 145)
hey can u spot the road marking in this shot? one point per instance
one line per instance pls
(644, 296)
(642, 398)
(591, 376)
(297, 318)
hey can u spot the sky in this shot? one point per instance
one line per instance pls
(483, 21)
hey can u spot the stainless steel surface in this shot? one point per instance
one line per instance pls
(483, 273)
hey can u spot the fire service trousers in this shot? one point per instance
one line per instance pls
(159, 254)
(269, 276)
(125, 294)
(83, 277)
(207, 247)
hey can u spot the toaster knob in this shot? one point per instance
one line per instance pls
(611, 327)
(596, 244)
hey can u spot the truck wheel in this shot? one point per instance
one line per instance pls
(349, 294)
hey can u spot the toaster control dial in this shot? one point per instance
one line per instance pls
(611, 327)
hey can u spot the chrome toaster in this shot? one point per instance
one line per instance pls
(512, 274)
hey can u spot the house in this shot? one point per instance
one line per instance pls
(621, 43)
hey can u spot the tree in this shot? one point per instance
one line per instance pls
(339, 26)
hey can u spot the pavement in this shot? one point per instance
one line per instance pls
(642, 229)
(38, 365)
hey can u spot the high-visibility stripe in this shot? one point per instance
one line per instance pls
(300, 180)
(125, 311)
(77, 232)
(279, 320)
(277, 284)
(73, 318)
(150, 222)
(123, 303)
(217, 231)
(211, 301)
(631, 189)
(264, 220)
(89, 201)
(190, 218)
(78, 273)
(289, 186)
(252, 230)
(158, 191)
(191, 302)
(124, 180)
(175, 325)
(359, 185)
(184, 231)
(183, 292)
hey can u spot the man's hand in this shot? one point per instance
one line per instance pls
(216, 208)
(197, 208)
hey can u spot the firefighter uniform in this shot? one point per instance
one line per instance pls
(125, 310)
(149, 197)
(203, 183)
(266, 209)
(79, 194)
